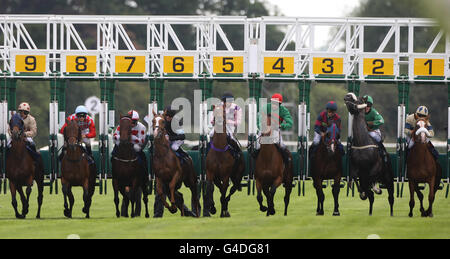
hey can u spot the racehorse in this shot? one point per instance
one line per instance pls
(365, 159)
(129, 176)
(21, 169)
(271, 172)
(76, 169)
(221, 167)
(170, 173)
(325, 165)
(421, 168)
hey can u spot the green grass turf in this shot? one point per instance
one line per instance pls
(246, 220)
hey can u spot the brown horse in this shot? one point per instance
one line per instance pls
(327, 164)
(422, 168)
(170, 173)
(21, 169)
(270, 171)
(220, 167)
(76, 170)
(129, 176)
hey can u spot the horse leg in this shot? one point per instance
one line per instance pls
(116, 196)
(336, 190)
(12, 188)
(71, 199)
(24, 202)
(65, 189)
(259, 196)
(209, 206)
(411, 198)
(420, 196)
(223, 199)
(320, 196)
(172, 187)
(125, 203)
(431, 195)
(162, 195)
(287, 195)
(266, 191)
(87, 201)
(370, 195)
(179, 201)
(145, 199)
(40, 185)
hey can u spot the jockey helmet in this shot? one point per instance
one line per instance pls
(81, 109)
(369, 100)
(422, 111)
(169, 112)
(134, 115)
(277, 98)
(226, 96)
(24, 107)
(331, 105)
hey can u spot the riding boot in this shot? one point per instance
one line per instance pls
(383, 152)
(182, 155)
(89, 150)
(312, 151)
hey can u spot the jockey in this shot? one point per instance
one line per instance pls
(177, 137)
(411, 120)
(30, 131)
(87, 125)
(374, 120)
(233, 114)
(324, 120)
(138, 131)
(285, 123)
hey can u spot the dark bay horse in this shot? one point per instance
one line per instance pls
(366, 161)
(421, 168)
(76, 170)
(170, 173)
(325, 165)
(21, 169)
(271, 172)
(129, 176)
(220, 167)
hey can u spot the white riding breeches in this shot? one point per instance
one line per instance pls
(376, 134)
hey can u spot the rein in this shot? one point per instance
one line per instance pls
(125, 160)
(364, 147)
(218, 149)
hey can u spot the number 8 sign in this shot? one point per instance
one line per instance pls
(80, 63)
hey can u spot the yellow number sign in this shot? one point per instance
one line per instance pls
(30, 63)
(179, 64)
(429, 67)
(278, 65)
(228, 65)
(81, 64)
(378, 66)
(330, 66)
(130, 64)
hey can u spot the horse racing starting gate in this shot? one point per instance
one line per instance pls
(52, 48)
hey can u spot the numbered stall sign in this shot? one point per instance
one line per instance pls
(279, 65)
(429, 67)
(129, 64)
(81, 63)
(328, 66)
(32, 63)
(178, 64)
(228, 65)
(378, 67)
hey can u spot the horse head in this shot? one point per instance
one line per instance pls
(420, 132)
(125, 129)
(330, 138)
(354, 104)
(16, 126)
(159, 124)
(72, 134)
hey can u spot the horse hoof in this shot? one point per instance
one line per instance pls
(272, 211)
(117, 214)
(225, 214)
(173, 210)
(319, 213)
(147, 215)
(263, 208)
(213, 210)
(430, 214)
(67, 214)
(18, 216)
(363, 196)
(84, 210)
(336, 213)
(410, 215)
